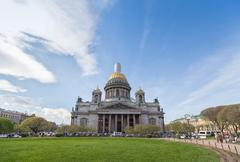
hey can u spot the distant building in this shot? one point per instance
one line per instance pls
(14, 116)
(118, 110)
(198, 122)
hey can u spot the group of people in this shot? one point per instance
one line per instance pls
(228, 137)
(219, 137)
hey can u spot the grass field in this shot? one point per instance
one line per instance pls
(101, 150)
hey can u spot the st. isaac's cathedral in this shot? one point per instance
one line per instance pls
(118, 110)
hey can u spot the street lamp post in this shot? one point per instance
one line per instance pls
(187, 118)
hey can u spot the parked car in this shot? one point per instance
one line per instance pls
(183, 136)
(14, 136)
(117, 134)
(194, 135)
(3, 135)
(132, 135)
(204, 134)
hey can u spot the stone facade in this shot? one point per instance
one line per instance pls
(198, 122)
(118, 110)
(14, 116)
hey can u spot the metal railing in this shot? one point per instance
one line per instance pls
(233, 148)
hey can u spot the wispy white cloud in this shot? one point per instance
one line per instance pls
(9, 87)
(30, 106)
(213, 80)
(63, 27)
(58, 115)
(145, 34)
(16, 63)
(146, 26)
(225, 77)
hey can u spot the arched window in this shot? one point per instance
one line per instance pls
(83, 122)
(95, 98)
(140, 99)
(152, 121)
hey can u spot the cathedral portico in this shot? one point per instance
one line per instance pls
(109, 123)
(118, 110)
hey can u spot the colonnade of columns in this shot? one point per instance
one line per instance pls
(108, 123)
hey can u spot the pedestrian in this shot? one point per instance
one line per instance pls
(221, 138)
(217, 137)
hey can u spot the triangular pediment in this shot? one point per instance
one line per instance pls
(118, 106)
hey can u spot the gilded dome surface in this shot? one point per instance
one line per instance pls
(117, 79)
(117, 75)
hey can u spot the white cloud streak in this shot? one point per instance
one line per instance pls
(27, 105)
(146, 26)
(16, 63)
(64, 27)
(9, 87)
(225, 78)
(212, 81)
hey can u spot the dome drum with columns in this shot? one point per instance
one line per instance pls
(117, 86)
(117, 110)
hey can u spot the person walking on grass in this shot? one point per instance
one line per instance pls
(221, 138)
(217, 137)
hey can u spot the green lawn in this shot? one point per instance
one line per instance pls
(101, 149)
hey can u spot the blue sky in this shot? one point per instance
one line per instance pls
(184, 52)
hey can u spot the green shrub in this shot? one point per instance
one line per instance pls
(59, 135)
(24, 134)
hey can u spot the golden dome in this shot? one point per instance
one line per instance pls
(117, 75)
(117, 80)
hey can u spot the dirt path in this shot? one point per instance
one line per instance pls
(225, 156)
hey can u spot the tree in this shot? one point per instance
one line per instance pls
(151, 129)
(142, 129)
(63, 129)
(222, 121)
(175, 127)
(232, 115)
(73, 129)
(216, 116)
(35, 124)
(129, 130)
(6, 126)
(179, 127)
(51, 127)
(167, 128)
(224, 116)
(187, 127)
(199, 127)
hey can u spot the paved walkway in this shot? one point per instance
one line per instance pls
(228, 152)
